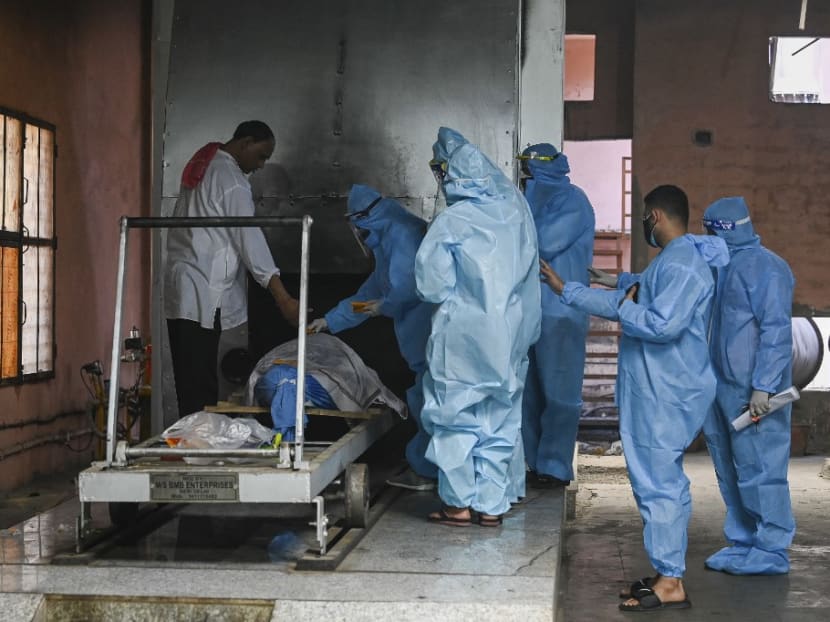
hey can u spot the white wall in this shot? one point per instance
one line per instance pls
(596, 167)
(541, 80)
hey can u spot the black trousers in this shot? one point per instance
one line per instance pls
(195, 351)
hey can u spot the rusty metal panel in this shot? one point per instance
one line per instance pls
(355, 91)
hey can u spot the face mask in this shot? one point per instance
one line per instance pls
(648, 231)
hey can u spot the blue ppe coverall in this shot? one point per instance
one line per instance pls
(553, 395)
(479, 263)
(665, 383)
(393, 235)
(751, 349)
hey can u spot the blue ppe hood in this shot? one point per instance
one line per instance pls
(729, 219)
(549, 171)
(471, 175)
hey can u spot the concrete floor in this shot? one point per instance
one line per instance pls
(204, 564)
(603, 550)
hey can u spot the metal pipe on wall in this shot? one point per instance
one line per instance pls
(57, 437)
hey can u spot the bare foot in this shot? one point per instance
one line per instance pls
(449, 515)
(667, 589)
(461, 513)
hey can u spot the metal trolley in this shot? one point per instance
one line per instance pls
(294, 472)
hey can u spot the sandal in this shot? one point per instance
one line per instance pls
(442, 518)
(638, 586)
(649, 601)
(489, 520)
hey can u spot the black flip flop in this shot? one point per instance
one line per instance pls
(649, 601)
(442, 518)
(638, 586)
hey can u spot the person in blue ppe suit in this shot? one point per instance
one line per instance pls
(393, 235)
(478, 263)
(552, 403)
(665, 383)
(751, 350)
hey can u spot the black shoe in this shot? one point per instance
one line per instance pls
(543, 481)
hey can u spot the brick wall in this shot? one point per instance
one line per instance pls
(702, 64)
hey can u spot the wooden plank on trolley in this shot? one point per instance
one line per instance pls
(369, 413)
(240, 409)
(230, 408)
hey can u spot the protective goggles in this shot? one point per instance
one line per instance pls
(439, 169)
(535, 156)
(364, 212)
(724, 225)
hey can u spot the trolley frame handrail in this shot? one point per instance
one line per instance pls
(127, 223)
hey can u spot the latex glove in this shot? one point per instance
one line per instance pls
(602, 278)
(317, 325)
(759, 403)
(371, 308)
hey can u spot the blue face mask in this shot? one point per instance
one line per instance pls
(648, 231)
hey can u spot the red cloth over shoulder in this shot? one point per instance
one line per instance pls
(195, 170)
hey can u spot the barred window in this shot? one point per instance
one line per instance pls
(27, 248)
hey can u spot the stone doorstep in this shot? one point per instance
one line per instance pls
(572, 488)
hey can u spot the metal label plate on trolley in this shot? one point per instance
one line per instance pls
(194, 487)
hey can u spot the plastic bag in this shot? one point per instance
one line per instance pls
(204, 430)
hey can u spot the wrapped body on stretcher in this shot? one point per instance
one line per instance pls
(336, 378)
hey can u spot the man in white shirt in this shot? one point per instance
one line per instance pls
(205, 277)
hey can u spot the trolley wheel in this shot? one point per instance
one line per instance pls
(357, 495)
(122, 514)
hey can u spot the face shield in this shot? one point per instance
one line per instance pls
(360, 234)
(524, 168)
(439, 171)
